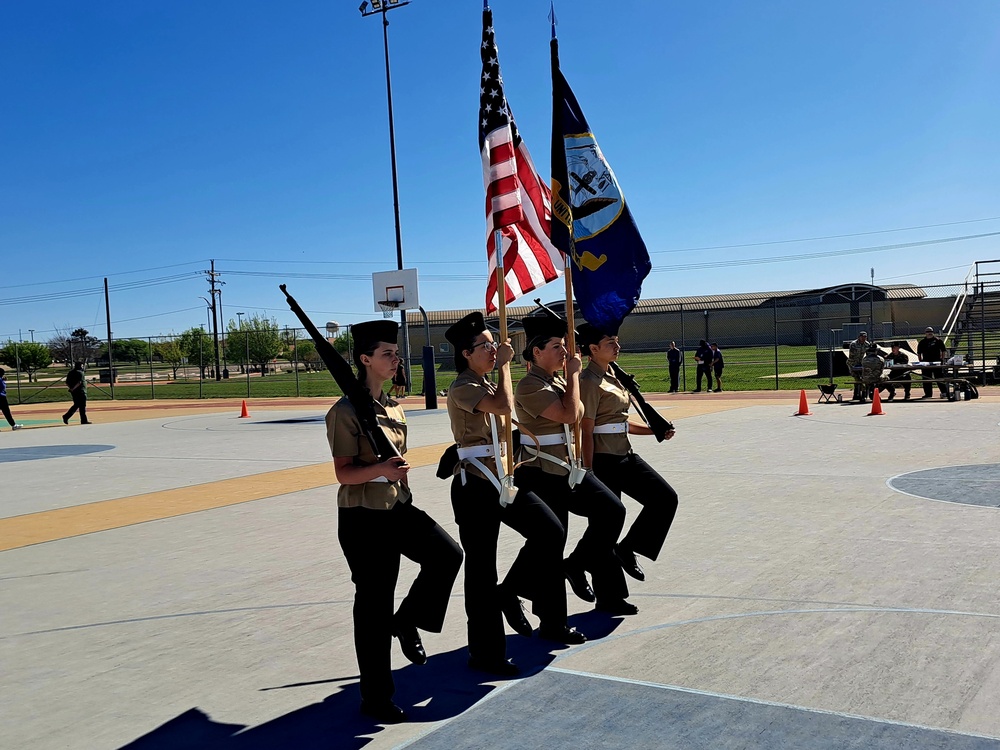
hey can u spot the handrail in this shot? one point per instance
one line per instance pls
(956, 309)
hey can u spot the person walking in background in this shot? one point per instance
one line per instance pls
(674, 359)
(398, 389)
(4, 406)
(932, 349)
(703, 356)
(76, 382)
(717, 365)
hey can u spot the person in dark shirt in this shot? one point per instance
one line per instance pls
(717, 365)
(703, 356)
(932, 349)
(77, 384)
(898, 376)
(4, 406)
(674, 358)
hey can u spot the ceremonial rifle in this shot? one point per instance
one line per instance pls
(653, 419)
(355, 391)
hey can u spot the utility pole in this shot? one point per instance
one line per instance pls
(215, 319)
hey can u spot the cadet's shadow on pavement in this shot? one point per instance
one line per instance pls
(445, 687)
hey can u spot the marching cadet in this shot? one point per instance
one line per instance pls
(482, 497)
(546, 406)
(608, 451)
(378, 523)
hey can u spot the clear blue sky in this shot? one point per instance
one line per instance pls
(140, 139)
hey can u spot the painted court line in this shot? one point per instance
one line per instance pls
(104, 515)
(775, 704)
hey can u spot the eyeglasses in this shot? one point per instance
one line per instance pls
(488, 345)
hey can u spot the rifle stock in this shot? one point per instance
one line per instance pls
(355, 391)
(653, 419)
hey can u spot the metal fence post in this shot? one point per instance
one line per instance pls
(684, 366)
(201, 365)
(246, 348)
(777, 383)
(17, 371)
(295, 364)
(152, 389)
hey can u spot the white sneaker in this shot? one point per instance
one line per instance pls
(17, 427)
(709, 390)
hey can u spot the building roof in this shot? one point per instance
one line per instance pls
(705, 302)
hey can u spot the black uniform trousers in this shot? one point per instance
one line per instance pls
(675, 373)
(637, 479)
(79, 402)
(896, 379)
(536, 573)
(706, 370)
(5, 409)
(932, 373)
(373, 541)
(605, 516)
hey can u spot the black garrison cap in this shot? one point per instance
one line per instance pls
(587, 334)
(465, 330)
(366, 334)
(542, 327)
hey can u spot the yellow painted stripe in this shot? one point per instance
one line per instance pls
(61, 523)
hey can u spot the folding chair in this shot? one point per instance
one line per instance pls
(826, 393)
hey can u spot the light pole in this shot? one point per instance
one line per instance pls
(32, 332)
(383, 7)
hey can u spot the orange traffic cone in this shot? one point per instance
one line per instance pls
(244, 414)
(803, 405)
(876, 405)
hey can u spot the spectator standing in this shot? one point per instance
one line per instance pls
(895, 358)
(674, 359)
(703, 356)
(4, 406)
(77, 384)
(718, 363)
(398, 389)
(857, 352)
(932, 349)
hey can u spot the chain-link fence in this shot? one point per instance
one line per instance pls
(786, 341)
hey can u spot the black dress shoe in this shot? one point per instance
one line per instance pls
(409, 642)
(617, 607)
(513, 613)
(564, 634)
(626, 558)
(577, 578)
(384, 713)
(500, 668)
(65, 419)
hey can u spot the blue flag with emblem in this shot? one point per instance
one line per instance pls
(591, 223)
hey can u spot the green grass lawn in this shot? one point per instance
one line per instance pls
(747, 369)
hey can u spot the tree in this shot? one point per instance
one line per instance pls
(171, 353)
(343, 343)
(305, 352)
(195, 346)
(257, 340)
(127, 350)
(33, 357)
(78, 346)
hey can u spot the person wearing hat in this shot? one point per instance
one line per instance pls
(608, 451)
(898, 359)
(856, 353)
(703, 356)
(546, 406)
(478, 409)
(931, 349)
(378, 524)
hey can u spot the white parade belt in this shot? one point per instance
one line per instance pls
(503, 481)
(614, 427)
(555, 438)
(531, 443)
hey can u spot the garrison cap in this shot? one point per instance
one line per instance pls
(586, 334)
(542, 327)
(465, 330)
(366, 334)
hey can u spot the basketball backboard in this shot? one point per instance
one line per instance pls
(395, 290)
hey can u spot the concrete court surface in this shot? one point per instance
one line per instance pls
(170, 578)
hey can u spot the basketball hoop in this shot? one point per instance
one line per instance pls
(388, 307)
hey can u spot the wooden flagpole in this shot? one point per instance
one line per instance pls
(508, 434)
(571, 330)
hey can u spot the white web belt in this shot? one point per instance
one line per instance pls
(499, 479)
(614, 427)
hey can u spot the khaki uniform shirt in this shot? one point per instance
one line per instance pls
(534, 394)
(343, 432)
(469, 425)
(606, 401)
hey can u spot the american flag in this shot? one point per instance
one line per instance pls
(518, 202)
